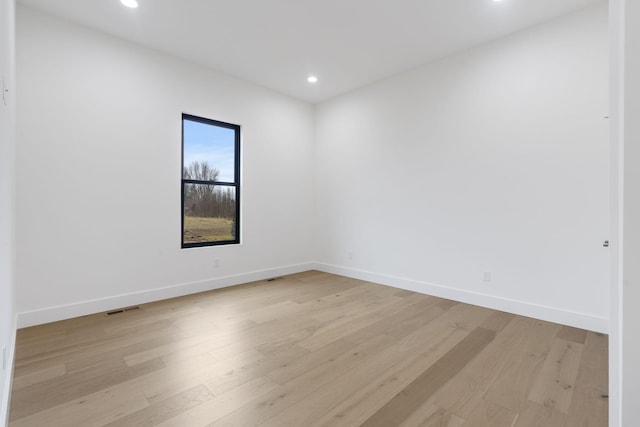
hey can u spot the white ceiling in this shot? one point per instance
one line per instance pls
(278, 43)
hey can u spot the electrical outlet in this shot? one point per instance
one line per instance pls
(350, 255)
(486, 276)
(216, 263)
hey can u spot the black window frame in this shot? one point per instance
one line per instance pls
(236, 184)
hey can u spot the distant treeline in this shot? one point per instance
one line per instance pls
(207, 200)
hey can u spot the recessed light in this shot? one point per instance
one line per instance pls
(130, 3)
(312, 79)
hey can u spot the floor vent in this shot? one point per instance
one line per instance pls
(122, 310)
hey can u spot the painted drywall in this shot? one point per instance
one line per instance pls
(98, 173)
(624, 346)
(616, 101)
(493, 160)
(7, 151)
(630, 290)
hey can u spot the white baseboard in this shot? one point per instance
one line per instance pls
(543, 312)
(68, 311)
(6, 396)
(522, 308)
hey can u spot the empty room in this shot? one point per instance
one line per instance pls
(345, 213)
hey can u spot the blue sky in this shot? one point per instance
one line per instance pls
(203, 142)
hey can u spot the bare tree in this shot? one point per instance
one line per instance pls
(207, 200)
(200, 171)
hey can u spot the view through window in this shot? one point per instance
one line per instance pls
(210, 182)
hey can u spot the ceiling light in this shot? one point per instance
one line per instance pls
(130, 3)
(312, 79)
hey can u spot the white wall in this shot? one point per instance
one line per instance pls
(492, 160)
(630, 290)
(98, 174)
(616, 96)
(7, 155)
(624, 342)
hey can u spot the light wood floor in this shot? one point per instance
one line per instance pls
(311, 349)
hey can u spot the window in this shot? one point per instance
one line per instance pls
(210, 182)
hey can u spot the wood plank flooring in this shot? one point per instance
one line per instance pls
(310, 349)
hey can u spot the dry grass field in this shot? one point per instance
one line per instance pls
(199, 229)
